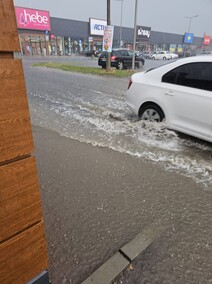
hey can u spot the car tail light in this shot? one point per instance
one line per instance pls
(130, 83)
(113, 57)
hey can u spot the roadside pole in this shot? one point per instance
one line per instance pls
(134, 40)
(108, 62)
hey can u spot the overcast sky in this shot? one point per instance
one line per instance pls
(160, 15)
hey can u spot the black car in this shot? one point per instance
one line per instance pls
(121, 58)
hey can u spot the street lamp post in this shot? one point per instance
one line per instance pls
(108, 60)
(120, 31)
(189, 25)
(134, 39)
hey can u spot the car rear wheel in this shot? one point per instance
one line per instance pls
(120, 65)
(151, 112)
(164, 58)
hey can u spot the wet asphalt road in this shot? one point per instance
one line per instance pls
(159, 176)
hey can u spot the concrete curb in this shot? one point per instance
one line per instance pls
(106, 273)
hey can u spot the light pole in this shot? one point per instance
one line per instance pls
(120, 31)
(134, 39)
(190, 18)
(108, 60)
(189, 25)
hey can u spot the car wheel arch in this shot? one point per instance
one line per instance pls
(151, 103)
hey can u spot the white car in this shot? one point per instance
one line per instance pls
(165, 55)
(173, 55)
(179, 93)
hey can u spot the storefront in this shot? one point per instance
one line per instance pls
(142, 38)
(41, 35)
(34, 31)
(96, 28)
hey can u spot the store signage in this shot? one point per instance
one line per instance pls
(143, 32)
(188, 38)
(32, 19)
(172, 47)
(97, 27)
(207, 40)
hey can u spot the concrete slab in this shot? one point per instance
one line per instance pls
(132, 249)
(108, 271)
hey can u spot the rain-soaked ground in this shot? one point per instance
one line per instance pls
(93, 110)
(90, 212)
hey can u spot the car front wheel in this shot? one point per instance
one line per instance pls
(151, 112)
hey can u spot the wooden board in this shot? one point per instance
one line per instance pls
(8, 28)
(20, 205)
(24, 256)
(15, 126)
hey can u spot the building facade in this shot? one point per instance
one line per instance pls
(41, 34)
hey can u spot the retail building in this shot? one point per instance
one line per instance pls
(41, 34)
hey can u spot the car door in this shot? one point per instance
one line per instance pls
(125, 54)
(188, 98)
(159, 55)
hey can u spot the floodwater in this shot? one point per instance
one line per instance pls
(95, 203)
(93, 110)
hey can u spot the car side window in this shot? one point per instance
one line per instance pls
(196, 75)
(124, 53)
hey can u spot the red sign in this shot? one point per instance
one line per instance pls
(207, 40)
(32, 19)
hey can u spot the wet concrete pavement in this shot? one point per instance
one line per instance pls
(95, 200)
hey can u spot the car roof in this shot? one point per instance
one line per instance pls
(199, 58)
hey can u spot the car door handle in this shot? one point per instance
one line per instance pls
(169, 93)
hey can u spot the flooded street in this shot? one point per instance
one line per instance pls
(92, 110)
(125, 177)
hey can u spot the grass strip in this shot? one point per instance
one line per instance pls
(84, 69)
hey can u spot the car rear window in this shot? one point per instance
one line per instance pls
(104, 53)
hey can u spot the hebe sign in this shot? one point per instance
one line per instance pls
(32, 19)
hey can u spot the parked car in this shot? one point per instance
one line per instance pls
(179, 93)
(161, 55)
(204, 53)
(121, 58)
(94, 53)
(174, 55)
(147, 54)
(138, 53)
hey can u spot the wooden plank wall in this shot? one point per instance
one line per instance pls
(23, 253)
